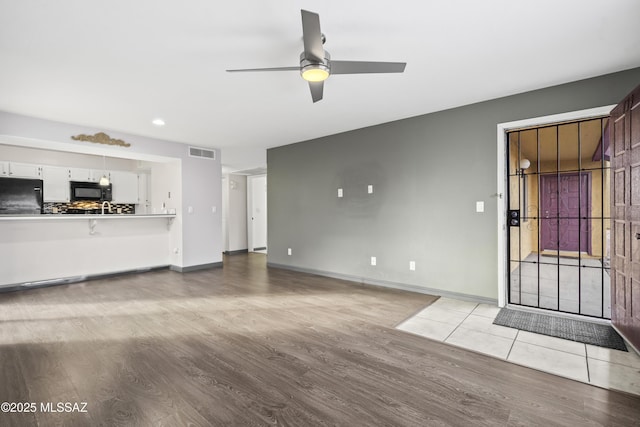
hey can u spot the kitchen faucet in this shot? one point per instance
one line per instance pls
(108, 205)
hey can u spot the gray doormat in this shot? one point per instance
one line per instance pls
(569, 329)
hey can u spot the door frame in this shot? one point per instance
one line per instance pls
(502, 129)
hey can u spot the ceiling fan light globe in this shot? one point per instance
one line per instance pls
(315, 73)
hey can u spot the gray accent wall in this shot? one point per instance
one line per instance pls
(427, 173)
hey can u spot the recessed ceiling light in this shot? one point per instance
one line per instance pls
(158, 122)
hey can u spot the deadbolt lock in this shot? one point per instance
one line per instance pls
(513, 217)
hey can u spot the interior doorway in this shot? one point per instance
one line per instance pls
(558, 201)
(257, 213)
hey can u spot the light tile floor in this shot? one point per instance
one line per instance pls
(535, 281)
(470, 325)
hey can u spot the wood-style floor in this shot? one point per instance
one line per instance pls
(251, 346)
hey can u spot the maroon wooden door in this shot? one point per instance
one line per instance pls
(564, 210)
(625, 212)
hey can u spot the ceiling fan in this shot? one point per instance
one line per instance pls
(316, 64)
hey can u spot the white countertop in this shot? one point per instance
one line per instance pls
(63, 217)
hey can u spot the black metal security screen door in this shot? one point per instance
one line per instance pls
(559, 217)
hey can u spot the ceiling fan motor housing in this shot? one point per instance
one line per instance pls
(310, 68)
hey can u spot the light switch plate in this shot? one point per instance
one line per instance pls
(374, 261)
(480, 206)
(288, 251)
(370, 189)
(340, 192)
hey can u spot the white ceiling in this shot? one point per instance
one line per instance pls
(118, 64)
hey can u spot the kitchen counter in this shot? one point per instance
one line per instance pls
(92, 218)
(82, 216)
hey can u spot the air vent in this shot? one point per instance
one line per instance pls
(202, 152)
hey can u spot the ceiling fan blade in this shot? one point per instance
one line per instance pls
(317, 88)
(312, 36)
(361, 67)
(296, 68)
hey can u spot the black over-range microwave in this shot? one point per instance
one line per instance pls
(90, 191)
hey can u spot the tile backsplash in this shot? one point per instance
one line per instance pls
(63, 208)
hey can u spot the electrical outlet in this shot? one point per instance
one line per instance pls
(374, 261)
(340, 193)
(480, 206)
(289, 251)
(412, 265)
(370, 189)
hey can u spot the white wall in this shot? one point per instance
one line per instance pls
(201, 210)
(166, 197)
(61, 158)
(200, 232)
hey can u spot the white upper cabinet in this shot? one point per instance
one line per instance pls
(86, 175)
(125, 187)
(23, 170)
(79, 174)
(56, 184)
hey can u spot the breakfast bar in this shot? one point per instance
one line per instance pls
(38, 249)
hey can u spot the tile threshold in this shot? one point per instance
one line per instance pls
(627, 385)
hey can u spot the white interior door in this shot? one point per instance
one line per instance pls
(257, 203)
